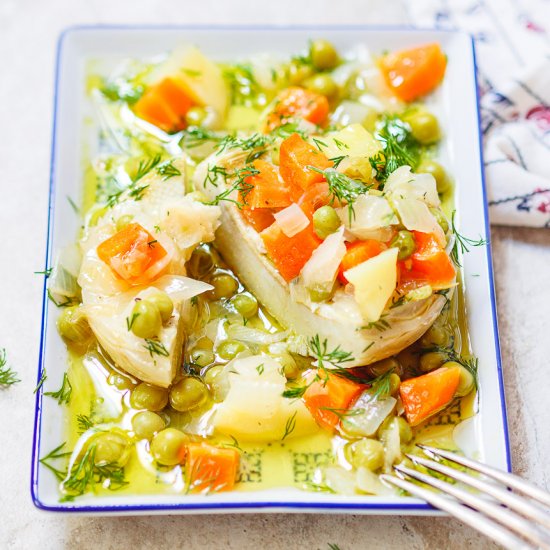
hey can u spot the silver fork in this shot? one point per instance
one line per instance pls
(502, 517)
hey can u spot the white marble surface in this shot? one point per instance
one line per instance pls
(28, 31)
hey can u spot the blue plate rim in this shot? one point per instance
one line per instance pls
(275, 505)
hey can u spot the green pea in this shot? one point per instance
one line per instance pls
(319, 294)
(146, 424)
(168, 447)
(189, 393)
(323, 55)
(246, 305)
(366, 453)
(146, 396)
(395, 382)
(202, 357)
(467, 381)
(441, 219)
(195, 116)
(424, 126)
(431, 360)
(229, 349)
(322, 84)
(385, 365)
(436, 335)
(145, 321)
(298, 72)
(110, 448)
(405, 431)
(164, 304)
(119, 381)
(216, 382)
(224, 286)
(291, 370)
(123, 221)
(73, 325)
(200, 263)
(325, 221)
(406, 244)
(355, 87)
(437, 171)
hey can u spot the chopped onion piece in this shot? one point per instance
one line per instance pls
(416, 216)
(291, 220)
(373, 412)
(369, 482)
(319, 273)
(339, 480)
(255, 336)
(402, 183)
(372, 217)
(181, 287)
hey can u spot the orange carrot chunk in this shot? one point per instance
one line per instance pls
(426, 395)
(295, 158)
(258, 218)
(295, 102)
(265, 189)
(357, 253)
(165, 105)
(133, 254)
(429, 264)
(329, 397)
(211, 468)
(289, 254)
(415, 72)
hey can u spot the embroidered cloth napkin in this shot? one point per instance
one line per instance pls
(513, 55)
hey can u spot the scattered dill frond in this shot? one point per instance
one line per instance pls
(290, 425)
(343, 188)
(131, 320)
(399, 148)
(461, 243)
(8, 377)
(47, 272)
(84, 423)
(155, 347)
(53, 456)
(167, 170)
(240, 185)
(63, 394)
(321, 352)
(381, 325)
(43, 378)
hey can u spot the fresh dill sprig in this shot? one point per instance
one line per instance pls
(167, 170)
(290, 425)
(144, 167)
(84, 423)
(256, 144)
(43, 378)
(296, 392)
(461, 242)
(85, 474)
(318, 487)
(67, 302)
(195, 136)
(240, 185)
(343, 188)
(381, 325)
(47, 272)
(321, 352)
(337, 160)
(213, 173)
(73, 205)
(8, 376)
(260, 369)
(243, 86)
(319, 144)
(381, 385)
(131, 320)
(55, 455)
(343, 413)
(63, 394)
(155, 347)
(235, 443)
(398, 145)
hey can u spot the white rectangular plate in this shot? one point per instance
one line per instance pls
(484, 436)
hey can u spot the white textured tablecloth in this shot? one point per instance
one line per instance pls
(28, 32)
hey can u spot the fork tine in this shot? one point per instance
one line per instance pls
(510, 480)
(468, 516)
(512, 500)
(502, 515)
